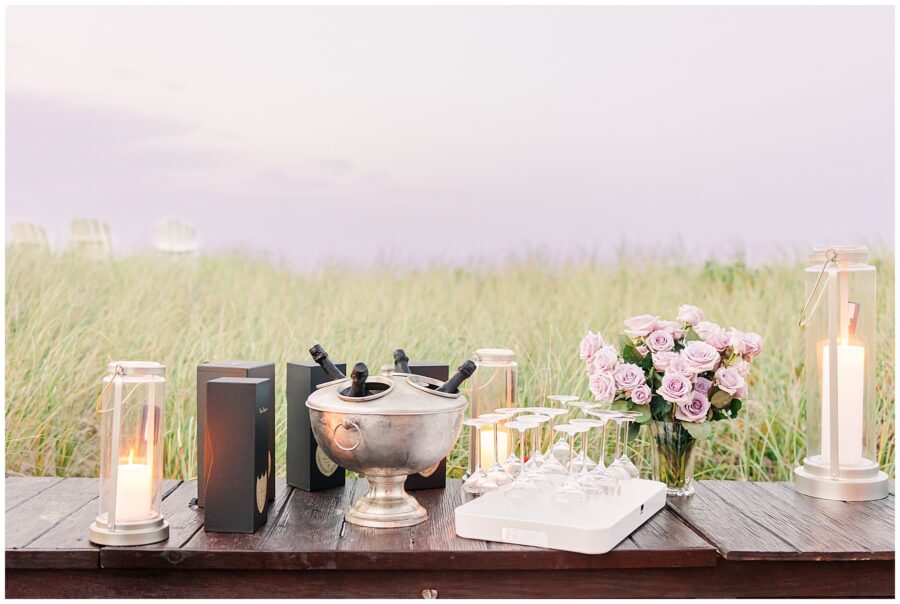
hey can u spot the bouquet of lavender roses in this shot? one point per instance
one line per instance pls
(688, 371)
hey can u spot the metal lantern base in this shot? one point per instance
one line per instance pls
(861, 483)
(130, 533)
(386, 505)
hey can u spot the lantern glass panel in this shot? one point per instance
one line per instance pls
(842, 311)
(131, 450)
(494, 385)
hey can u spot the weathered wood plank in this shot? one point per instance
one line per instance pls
(190, 544)
(734, 534)
(728, 580)
(22, 488)
(862, 522)
(814, 536)
(67, 544)
(310, 534)
(25, 523)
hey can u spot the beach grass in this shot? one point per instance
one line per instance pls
(67, 316)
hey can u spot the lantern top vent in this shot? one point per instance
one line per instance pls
(136, 368)
(842, 254)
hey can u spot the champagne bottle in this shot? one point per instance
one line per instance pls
(321, 357)
(463, 373)
(359, 375)
(401, 361)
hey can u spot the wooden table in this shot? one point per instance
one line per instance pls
(729, 539)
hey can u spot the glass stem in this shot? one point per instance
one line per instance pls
(478, 447)
(625, 440)
(496, 447)
(601, 463)
(618, 442)
(584, 450)
(473, 450)
(571, 449)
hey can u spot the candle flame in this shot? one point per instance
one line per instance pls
(130, 457)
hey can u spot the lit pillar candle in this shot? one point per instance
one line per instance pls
(487, 447)
(133, 491)
(851, 389)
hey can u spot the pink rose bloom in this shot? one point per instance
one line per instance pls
(660, 341)
(641, 395)
(679, 366)
(689, 314)
(694, 409)
(605, 360)
(729, 380)
(662, 360)
(642, 350)
(700, 356)
(603, 387)
(673, 327)
(590, 344)
(675, 388)
(629, 376)
(703, 385)
(640, 326)
(712, 334)
(745, 343)
(742, 366)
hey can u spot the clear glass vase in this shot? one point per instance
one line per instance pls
(673, 457)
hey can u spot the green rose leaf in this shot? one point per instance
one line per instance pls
(690, 335)
(698, 431)
(633, 431)
(619, 405)
(735, 407)
(644, 410)
(660, 408)
(630, 354)
(720, 399)
(625, 341)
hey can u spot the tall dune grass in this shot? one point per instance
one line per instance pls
(67, 316)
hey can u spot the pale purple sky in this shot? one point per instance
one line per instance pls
(456, 132)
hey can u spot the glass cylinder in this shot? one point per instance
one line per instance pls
(841, 413)
(493, 385)
(131, 408)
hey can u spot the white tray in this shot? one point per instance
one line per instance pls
(592, 528)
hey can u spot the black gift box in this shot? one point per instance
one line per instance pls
(211, 370)
(236, 453)
(436, 476)
(308, 467)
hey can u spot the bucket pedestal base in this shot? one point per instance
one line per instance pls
(386, 505)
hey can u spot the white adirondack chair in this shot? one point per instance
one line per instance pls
(174, 237)
(28, 235)
(91, 237)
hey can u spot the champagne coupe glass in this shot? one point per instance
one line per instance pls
(512, 464)
(605, 416)
(617, 468)
(478, 482)
(589, 481)
(524, 487)
(582, 456)
(607, 480)
(560, 450)
(536, 459)
(552, 464)
(496, 472)
(570, 492)
(626, 463)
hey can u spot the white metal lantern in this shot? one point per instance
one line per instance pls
(841, 417)
(131, 407)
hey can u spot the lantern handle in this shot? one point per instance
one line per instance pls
(118, 371)
(830, 258)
